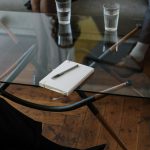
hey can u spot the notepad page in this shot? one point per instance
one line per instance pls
(69, 81)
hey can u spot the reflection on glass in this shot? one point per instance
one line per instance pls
(54, 45)
(110, 38)
(65, 35)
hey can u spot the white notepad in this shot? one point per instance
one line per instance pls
(69, 81)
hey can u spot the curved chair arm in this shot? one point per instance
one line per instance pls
(66, 107)
(46, 107)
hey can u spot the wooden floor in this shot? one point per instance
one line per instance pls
(128, 117)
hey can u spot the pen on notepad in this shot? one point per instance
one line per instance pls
(65, 71)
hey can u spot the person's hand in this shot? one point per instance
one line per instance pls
(43, 6)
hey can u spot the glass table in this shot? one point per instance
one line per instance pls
(33, 44)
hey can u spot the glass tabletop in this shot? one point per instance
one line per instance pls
(34, 44)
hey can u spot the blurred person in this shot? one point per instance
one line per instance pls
(138, 53)
(134, 61)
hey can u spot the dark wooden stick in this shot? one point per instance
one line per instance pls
(101, 118)
(109, 129)
(116, 87)
(113, 47)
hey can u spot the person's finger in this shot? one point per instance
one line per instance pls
(36, 5)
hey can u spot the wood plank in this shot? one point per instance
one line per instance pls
(129, 117)
(144, 126)
(129, 123)
(51, 131)
(70, 130)
(113, 115)
(91, 129)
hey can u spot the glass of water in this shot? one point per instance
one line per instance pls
(63, 8)
(111, 16)
(65, 36)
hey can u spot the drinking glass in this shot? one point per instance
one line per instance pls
(111, 16)
(63, 8)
